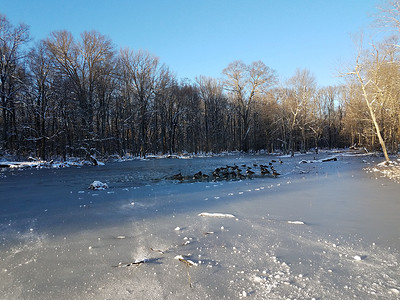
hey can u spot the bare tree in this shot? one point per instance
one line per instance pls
(244, 83)
(141, 71)
(328, 98)
(84, 64)
(302, 87)
(40, 68)
(214, 109)
(12, 40)
(167, 111)
(388, 16)
(374, 92)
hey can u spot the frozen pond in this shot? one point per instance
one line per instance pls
(319, 230)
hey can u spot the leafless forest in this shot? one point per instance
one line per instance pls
(74, 96)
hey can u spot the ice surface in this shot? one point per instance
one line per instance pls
(60, 242)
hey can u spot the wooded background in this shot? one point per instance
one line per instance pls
(75, 96)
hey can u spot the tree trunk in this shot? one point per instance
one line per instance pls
(373, 117)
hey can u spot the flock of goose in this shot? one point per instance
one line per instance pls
(232, 173)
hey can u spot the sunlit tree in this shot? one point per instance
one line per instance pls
(244, 84)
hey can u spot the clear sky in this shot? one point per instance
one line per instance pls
(202, 37)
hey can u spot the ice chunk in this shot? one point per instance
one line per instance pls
(296, 222)
(217, 215)
(98, 185)
(357, 257)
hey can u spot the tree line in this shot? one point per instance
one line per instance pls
(67, 96)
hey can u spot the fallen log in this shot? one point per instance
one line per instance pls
(329, 159)
(318, 160)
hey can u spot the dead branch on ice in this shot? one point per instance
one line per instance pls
(135, 263)
(159, 251)
(318, 160)
(188, 264)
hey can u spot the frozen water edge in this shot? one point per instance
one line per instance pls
(259, 255)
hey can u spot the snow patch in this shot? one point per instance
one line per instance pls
(98, 185)
(389, 169)
(296, 222)
(216, 215)
(187, 261)
(42, 164)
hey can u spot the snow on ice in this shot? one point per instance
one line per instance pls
(98, 185)
(296, 222)
(389, 169)
(216, 215)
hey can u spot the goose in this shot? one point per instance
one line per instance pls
(215, 175)
(275, 173)
(178, 177)
(265, 172)
(249, 172)
(198, 175)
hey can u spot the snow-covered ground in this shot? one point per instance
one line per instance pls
(42, 164)
(322, 230)
(389, 169)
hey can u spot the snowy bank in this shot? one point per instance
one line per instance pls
(42, 164)
(389, 169)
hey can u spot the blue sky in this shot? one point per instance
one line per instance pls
(202, 37)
